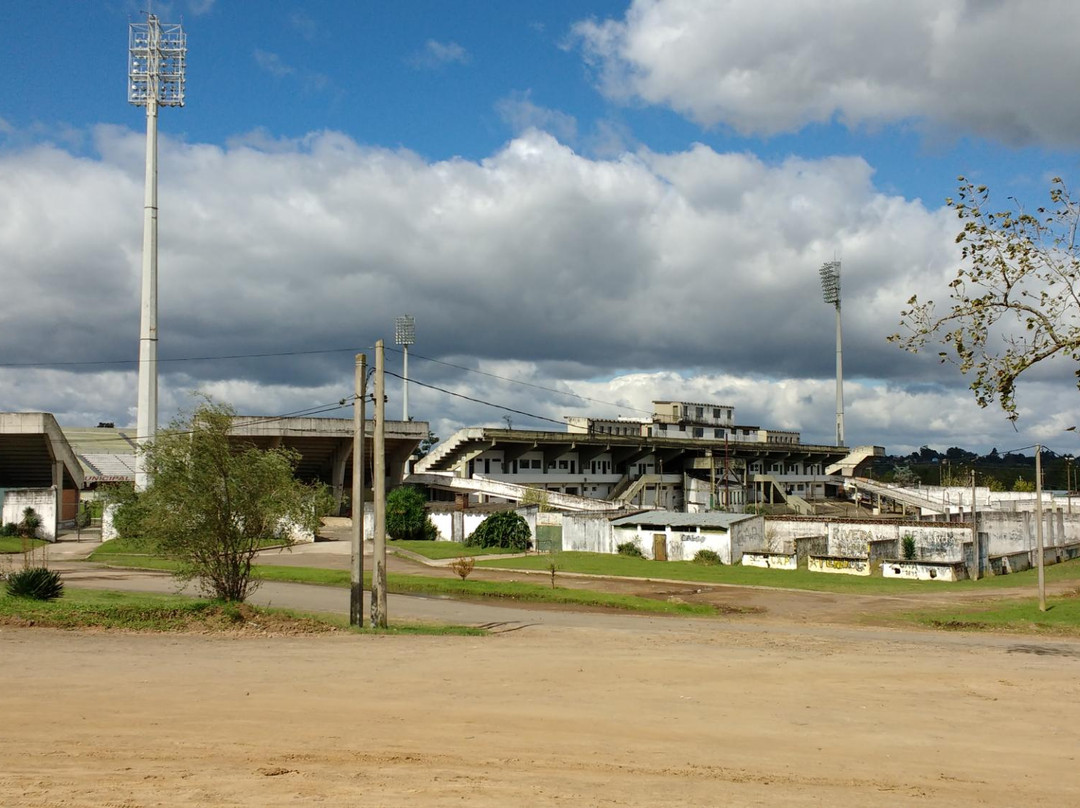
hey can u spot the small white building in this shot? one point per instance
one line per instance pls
(675, 536)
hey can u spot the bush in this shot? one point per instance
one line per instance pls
(9, 529)
(505, 529)
(709, 558)
(629, 548)
(130, 510)
(30, 523)
(463, 566)
(908, 547)
(37, 583)
(406, 515)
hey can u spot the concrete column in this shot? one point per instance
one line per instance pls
(342, 455)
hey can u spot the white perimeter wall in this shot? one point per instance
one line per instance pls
(42, 500)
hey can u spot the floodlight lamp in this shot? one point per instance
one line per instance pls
(405, 330)
(830, 282)
(158, 60)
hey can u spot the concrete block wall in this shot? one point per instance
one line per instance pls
(587, 533)
(934, 541)
(42, 500)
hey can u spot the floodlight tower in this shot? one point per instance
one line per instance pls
(157, 57)
(830, 288)
(405, 335)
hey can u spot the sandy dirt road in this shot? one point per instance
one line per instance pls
(650, 712)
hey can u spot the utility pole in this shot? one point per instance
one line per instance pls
(1039, 526)
(378, 485)
(156, 78)
(974, 527)
(356, 578)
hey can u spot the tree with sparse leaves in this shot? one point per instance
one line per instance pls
(212, 505)
(1015, 300)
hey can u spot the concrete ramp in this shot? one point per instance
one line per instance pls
(510, 491)
(847, 466)
(898, 494)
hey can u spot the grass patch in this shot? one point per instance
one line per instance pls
(135, 547)
(536, 593)
(445, 549)
(14, 544)
(623, 566)
(124, 547)
(506, 590)
(450, 587)
(130, 611)
(1061, 618)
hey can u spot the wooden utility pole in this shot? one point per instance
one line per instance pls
(1039, 526)
(356, 577)
(974, 527)
(378, 485)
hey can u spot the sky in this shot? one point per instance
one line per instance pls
(586, 206)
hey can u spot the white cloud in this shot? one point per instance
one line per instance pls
(437, 54)
(272, 63)
(304, 25)
(698, 268)
(520, 113)
(996, 69)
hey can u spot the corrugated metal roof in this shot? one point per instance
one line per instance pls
(677, 519)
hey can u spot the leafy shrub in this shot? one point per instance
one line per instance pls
(709, 558)
(9, 529)
(30, 523)
(629, 548)
(37, 583)
(130, 511)
(406, 515)
(505, 529)
(908, 547)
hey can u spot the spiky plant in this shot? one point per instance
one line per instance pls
(37, 583)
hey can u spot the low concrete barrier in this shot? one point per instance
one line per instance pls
(1011, 562)
(844, 565)
(775, 561)
(925, 570)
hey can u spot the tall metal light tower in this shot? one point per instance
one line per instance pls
(830, 287)
(405, 335)
(158, 53)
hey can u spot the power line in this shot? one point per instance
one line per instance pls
(278, 354)
(478, 400)
(174, 359)
(318, 409)
(524, 383)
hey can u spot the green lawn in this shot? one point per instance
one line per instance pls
(445, 549)
(123, 547)
(134, 547)
(14, 544)
(625, 566)
(447, 587)
(131, 611)
(1062, 617)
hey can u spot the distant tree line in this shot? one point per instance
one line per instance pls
(1007, 471)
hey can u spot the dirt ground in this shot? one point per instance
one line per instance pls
(634, 712)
